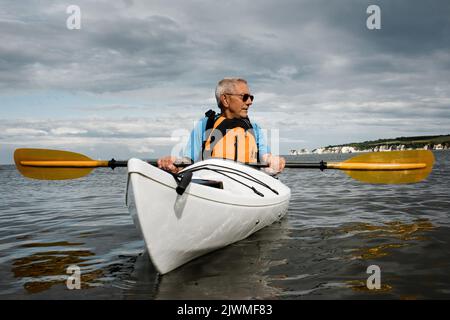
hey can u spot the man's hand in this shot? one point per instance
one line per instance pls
(276, 163)
(167, 164)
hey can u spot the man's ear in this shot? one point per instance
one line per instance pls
(224, 101)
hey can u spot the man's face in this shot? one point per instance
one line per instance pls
(237, 108)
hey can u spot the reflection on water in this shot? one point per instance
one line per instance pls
(235, 272)
(404, 234)
(375, 252)
(42, 270)
(361, 286)
(394, 229)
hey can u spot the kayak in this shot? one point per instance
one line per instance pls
(207, 206)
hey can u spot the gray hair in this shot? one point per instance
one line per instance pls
(226, 85)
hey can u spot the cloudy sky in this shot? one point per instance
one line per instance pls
(138, 74)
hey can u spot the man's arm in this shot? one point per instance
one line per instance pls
(193, 148)
(191, 151)
(276, 163)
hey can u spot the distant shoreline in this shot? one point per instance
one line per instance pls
(440, 142)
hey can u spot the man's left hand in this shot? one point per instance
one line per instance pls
(276, 163)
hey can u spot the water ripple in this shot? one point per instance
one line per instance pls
(335, 228)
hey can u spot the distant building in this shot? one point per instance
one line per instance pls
(294, 152)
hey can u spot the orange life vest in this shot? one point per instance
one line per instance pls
(232, 139)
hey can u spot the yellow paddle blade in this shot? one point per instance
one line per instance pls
(36, 164)
(390, 167)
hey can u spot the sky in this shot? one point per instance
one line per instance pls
(132, 81)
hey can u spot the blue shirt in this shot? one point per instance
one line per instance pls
(193, 149)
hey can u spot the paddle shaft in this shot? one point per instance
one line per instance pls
(98, 164)
(299, 165)
(85, 163)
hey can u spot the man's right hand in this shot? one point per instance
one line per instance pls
(167, 164)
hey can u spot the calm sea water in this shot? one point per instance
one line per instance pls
(335, 229)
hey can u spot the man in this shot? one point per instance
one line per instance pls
(230, 134)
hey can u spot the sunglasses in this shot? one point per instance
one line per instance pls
(244, 96)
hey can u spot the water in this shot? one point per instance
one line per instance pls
(335, 229)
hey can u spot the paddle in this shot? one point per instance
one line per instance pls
(392, 167)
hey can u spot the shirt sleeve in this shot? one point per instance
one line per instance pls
(193, 147)
(261, 140)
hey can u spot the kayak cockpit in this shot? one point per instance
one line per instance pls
(209, 183)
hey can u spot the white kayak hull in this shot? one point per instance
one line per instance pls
(178, 228)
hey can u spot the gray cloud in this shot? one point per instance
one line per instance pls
(107, 137)
(136, 46)
(312, 64)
